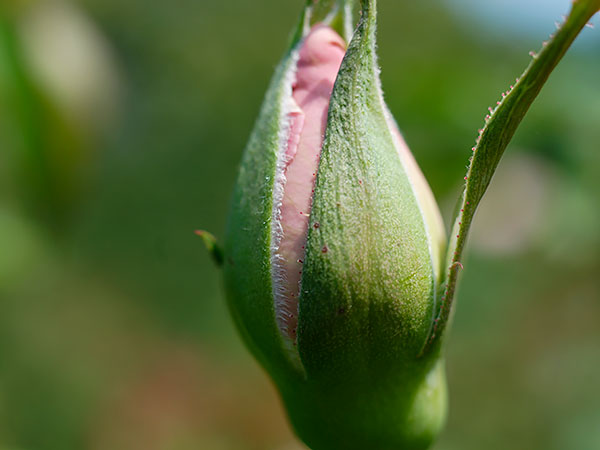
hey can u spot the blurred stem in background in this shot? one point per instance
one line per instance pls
(43, 149)
(48, 136)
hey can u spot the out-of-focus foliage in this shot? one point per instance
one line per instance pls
(56, 84)
(113, 331)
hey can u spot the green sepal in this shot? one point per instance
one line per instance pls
(247, 249)
(367, 274)
(368, 284)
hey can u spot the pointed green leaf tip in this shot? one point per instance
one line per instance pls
(212, 246)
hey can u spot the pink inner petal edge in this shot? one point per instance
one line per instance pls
(319, 60)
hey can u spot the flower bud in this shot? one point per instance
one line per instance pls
(334, 251)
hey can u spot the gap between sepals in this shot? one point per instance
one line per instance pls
(500, 126)
(333, 14)
(338, 14)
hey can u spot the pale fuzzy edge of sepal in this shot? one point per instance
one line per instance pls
(278, 277)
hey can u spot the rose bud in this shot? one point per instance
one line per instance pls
(335, 264)
(334, 250)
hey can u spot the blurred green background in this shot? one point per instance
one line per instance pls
(121, 126)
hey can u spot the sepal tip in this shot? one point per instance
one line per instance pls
(216, 252)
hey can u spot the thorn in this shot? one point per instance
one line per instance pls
(211, 244)
(459, 264)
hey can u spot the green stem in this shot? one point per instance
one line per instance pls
(493, 139)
